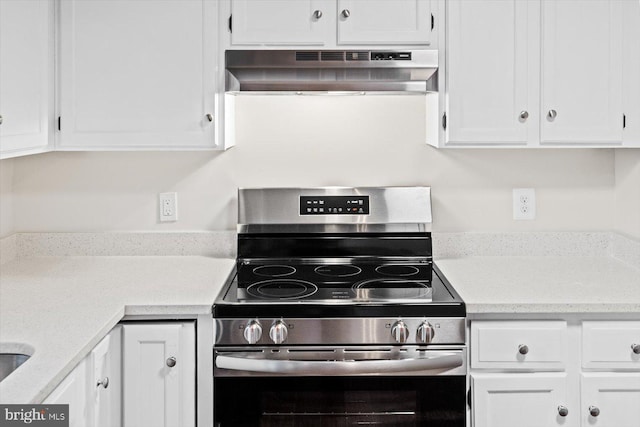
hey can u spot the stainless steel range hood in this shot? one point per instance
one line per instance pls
(331, 71)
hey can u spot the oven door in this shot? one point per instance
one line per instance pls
(394, 386)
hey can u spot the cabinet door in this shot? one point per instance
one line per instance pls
(631, 71)
(384, 22)
(492, 80)
(137, 74)
(156, 393)
(73, 391)
(26, 76)
(581, 71)
(106, 380)
(288, 22)
(523, 400)
(614, 398)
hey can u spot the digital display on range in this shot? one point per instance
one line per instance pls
(334, 205)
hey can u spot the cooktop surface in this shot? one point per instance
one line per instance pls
(333, 288)
(334, 282)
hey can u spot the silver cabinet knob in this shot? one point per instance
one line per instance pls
(399, 331)
(278, 332)
(551, 115)
(346, 13)
(524, 115)
(0, 119)
(209, 117)
(523, 349)
(253, 332)
(103, 382)
(171, 362)
(563, 411)
(317, 14)
(594, 411)
(425, 333)
(635, 348)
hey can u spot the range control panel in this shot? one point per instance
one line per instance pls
(334, 205)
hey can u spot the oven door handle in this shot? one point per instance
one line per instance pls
(443, 361)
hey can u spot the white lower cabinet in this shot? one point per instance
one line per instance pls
(140, 374)
(74, 391)
(523, 400)
(105, 381)
(610, 399)
(93, 389)
(598, 383)
(159, 375)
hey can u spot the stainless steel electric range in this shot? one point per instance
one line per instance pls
(336, 315)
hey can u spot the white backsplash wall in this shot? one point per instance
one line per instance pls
(314, 141)
(627, 192)
(6, 197)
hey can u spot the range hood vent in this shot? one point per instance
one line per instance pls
(307, 56)
(331, 70)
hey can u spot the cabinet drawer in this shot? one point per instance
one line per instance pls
(519, 345)
(611, 344)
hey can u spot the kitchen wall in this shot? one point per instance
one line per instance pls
(6, 197)
(312, 141)
(627, 192)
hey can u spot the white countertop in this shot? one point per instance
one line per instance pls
(553, 284)
(63, 306)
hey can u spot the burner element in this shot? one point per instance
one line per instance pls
(389, 289)
(282, 289)
(274, 270)
(338, 270)
(397, 270)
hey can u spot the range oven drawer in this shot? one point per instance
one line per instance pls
(343, 386)
(340, 401)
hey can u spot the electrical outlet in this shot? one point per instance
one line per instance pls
(168, 207)
(524, 203)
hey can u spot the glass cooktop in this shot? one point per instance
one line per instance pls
(355, 282)
(356, 289)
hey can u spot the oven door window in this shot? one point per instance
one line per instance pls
(437, 401)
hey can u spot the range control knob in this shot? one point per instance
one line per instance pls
(253, 332)
(400, 332)
(278, 332)
(425, 333)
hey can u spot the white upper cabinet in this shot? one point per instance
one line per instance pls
(381, 22)
(582, 72)
(492, 87)
(541, 73)
(280, 21)
(330, 23)
(137, 74)
(631, 72)
(26, 76)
